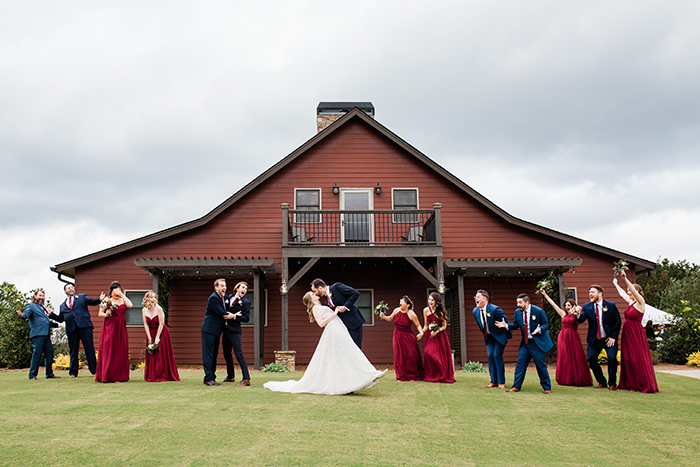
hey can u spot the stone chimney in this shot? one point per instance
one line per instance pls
(329, 112)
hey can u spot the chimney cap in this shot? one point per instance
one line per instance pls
(339, 108)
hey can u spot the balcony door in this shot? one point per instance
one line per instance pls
(357, 227)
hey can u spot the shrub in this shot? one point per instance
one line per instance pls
(473, 367)
(694, 359)
(61, 362)
(683, 338)
(603, 357)
(138, 366)
(275, 368)
(655, 357)
(15, 346)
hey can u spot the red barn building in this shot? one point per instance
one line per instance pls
(355, 204)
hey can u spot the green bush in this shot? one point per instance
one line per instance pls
(15, 346)
(683, 338)
(473, 367)
(275, 368)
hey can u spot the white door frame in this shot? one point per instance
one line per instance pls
(370, 207)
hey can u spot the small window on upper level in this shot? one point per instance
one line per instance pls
(307, 199)
(404, 199)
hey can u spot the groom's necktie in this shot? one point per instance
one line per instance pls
(70, 302)
(330, 302)
(485, 325)
(597, 321)
(527, 326)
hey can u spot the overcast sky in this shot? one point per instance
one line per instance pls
(121, 119)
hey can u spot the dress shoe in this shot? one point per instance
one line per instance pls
(52, 377)
(245, 382)
(34, 379)
(491, 385)
(73, 376)
(513, 390)
(601, 386)
(612, 387)
(547, 391)
(501, 386)
(229, 380)
(212, 383)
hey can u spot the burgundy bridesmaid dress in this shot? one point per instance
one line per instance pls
(636, 367)
(572, 365)
(438, 356)
(160, 366)
(407, 361)
(113, 348)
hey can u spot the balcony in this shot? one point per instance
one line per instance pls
(346, 233)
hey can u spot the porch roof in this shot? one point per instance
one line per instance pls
(208, 266)
(509, 267)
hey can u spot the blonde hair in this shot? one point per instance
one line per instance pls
(309, 304)
(216, 282)
(147, 298)
(235, 289)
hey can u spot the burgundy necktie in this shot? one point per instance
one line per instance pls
(527, 326)
(46, 312)
(597, 321)
(330, 302)
(235, 300)
(70, 302)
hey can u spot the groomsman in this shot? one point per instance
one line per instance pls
(239, 306)
(212, 327)
(343, 297)
(74, 312)
(40, 334)
(495, 338)
(603, 329)
(534, 344)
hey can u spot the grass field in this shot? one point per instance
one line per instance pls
(80, 422)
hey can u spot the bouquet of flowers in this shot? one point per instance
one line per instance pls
(619, 267)
(542, 285)
(381, 308)
(434, 326)
(107, 306)
(152, 348)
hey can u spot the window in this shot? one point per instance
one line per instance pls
(447, 303)
(133, 315)
(404, 199)
(364, 303)
(307, 199)
(571, 293)
(250, 295)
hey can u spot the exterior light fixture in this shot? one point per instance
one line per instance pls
(336, 190)
(378, 189)
(283, 287)
(441, 287)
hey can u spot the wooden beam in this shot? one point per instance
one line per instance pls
(422, 270)
(355, 251)
(257, 322)
(462, 321)
(285, 306)
(293, 280)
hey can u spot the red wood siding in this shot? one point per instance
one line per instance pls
(353, 156)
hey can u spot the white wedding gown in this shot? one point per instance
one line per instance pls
(337, 366)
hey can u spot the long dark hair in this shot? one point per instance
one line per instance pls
(440, 312)
(114, 285)
(408, 301)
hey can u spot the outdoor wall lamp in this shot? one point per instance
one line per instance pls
(336, 190)
(378, 189)
(283, 287)
(441, 287)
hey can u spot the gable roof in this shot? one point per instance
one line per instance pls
(68, 267)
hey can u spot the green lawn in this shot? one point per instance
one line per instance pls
(80, 422)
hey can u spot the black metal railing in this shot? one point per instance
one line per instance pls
(374, 227)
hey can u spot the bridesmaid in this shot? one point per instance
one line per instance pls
(113, 347)
(407, 360)
(160, 365)
(572, 365)
(636, 367)
(438, 354)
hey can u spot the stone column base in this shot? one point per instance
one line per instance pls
(286, 358)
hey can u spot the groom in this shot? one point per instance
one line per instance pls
(342, 297)
(495, 338)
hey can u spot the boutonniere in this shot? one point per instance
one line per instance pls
(488, 315)
(534, 318)
(605, 308)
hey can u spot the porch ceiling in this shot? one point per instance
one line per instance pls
(208, 266)
(509, 267)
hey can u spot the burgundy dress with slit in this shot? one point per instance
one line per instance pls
(438, 356)
(113, 348)
(407, 360)
(160, 366)
(572, 366)
(636, 367)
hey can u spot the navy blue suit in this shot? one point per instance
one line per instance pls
(344, 295)
(212, 327)
(536, 348)
(40, 335)
(611, 325)
(79, 328)
(495, 340)
(232, 335)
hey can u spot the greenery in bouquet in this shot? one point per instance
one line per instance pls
(152, 348)
(544, 284)
(620, 266)
(107, 305)
(381, 308)
(434, 327)
(275, 368)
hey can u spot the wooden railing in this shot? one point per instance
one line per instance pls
(365, 228)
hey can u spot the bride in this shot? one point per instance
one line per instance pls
(337, 366)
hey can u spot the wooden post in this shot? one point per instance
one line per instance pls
(285, 306)
(562, 290)
(462, 321)
(438, 224)
(156, 282)
(285, 224)
(258, 321)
